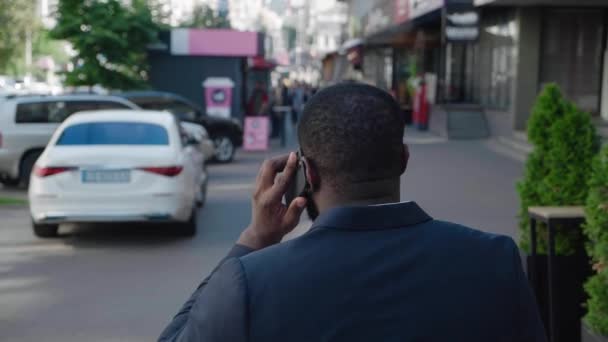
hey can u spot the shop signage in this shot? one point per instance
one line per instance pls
(218, 96)
(377, 20)
(402, 11)
(461, 25)
(422, 7)
(384, 14)
(256, 133)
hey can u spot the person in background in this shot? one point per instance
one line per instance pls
(259, 101)
(298, 101)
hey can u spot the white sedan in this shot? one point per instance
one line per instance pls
(117, 166)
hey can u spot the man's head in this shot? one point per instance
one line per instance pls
(352, 136)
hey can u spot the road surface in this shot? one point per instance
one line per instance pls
(124, 283)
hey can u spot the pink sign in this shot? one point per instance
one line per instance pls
(256, 133)
(402, 11)
(223, 43)
(218, 96)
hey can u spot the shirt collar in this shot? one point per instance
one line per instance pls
(384, 216)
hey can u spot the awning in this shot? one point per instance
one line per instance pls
(261, 63)
(351, 44)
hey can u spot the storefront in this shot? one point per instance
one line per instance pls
(522, 48)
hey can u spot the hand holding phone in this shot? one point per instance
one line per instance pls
(272, 219)
(298, 184)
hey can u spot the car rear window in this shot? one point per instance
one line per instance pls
(181, 109)
(58, 111)
(114, 133)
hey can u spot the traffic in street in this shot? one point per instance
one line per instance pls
(101, 282)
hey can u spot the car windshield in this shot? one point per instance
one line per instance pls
(114, 133)
(181, 109)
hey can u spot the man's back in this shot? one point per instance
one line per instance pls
(388, 273)
(370, 269)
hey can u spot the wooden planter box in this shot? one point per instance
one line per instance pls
(588, 336)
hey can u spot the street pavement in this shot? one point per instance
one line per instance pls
(124, 282)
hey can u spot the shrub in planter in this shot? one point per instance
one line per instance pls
(596, 230)
(556, 172)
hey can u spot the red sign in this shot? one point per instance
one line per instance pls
(256, 133)
(402, 11)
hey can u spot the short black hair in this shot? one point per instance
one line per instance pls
(353, 133)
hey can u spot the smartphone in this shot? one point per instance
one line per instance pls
(298, 185)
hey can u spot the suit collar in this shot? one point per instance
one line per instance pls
(385, 216)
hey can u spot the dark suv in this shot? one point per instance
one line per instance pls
(227, 134)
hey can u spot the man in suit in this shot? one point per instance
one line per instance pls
(371, 268)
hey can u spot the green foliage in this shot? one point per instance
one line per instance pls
(16, 20)
(557, 170)
(596, 230)
(205, 17)
(161, 12)
(413, 74)
(110, 39)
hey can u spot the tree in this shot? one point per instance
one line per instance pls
(110, 39)
(596, 230)
(204, 16)
(16, 21)
(161, 12)
(557, 170)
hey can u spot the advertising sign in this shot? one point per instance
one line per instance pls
(218, 96)
(256, 133)
(402, 11)
(422, 7)
(384, 14)
(461, 25)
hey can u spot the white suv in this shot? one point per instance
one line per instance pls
(28, 122)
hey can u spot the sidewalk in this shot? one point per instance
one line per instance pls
(13, 193)
(463, 181)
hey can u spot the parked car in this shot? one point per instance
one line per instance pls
(199, 133)
(117, 166)
(227, 134)
(28, 122)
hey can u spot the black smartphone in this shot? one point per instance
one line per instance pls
(298, 185)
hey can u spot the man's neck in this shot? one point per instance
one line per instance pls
(362, 194)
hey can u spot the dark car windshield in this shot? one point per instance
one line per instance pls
(181, 109)
(114, 133)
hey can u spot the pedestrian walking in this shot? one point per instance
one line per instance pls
(298, 101)
(371, 268)
(259, 101)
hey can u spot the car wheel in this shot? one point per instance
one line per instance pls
(189, 228)
(224, 149)
(45, 230)
(202, 196)
(10, 182)
(27, 164)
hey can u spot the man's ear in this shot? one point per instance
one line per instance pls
(406, 158)
(312, 174)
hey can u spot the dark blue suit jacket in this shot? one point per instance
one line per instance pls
(376, 273)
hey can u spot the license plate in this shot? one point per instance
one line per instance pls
(106, 176)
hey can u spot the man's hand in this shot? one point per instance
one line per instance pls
(271, 219)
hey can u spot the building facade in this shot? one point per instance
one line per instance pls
(498, 54)
(527, 44)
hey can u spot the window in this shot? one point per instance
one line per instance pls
(184, 111)
(495, 57)
(114, 133)
(572, 54)
(58, 111)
